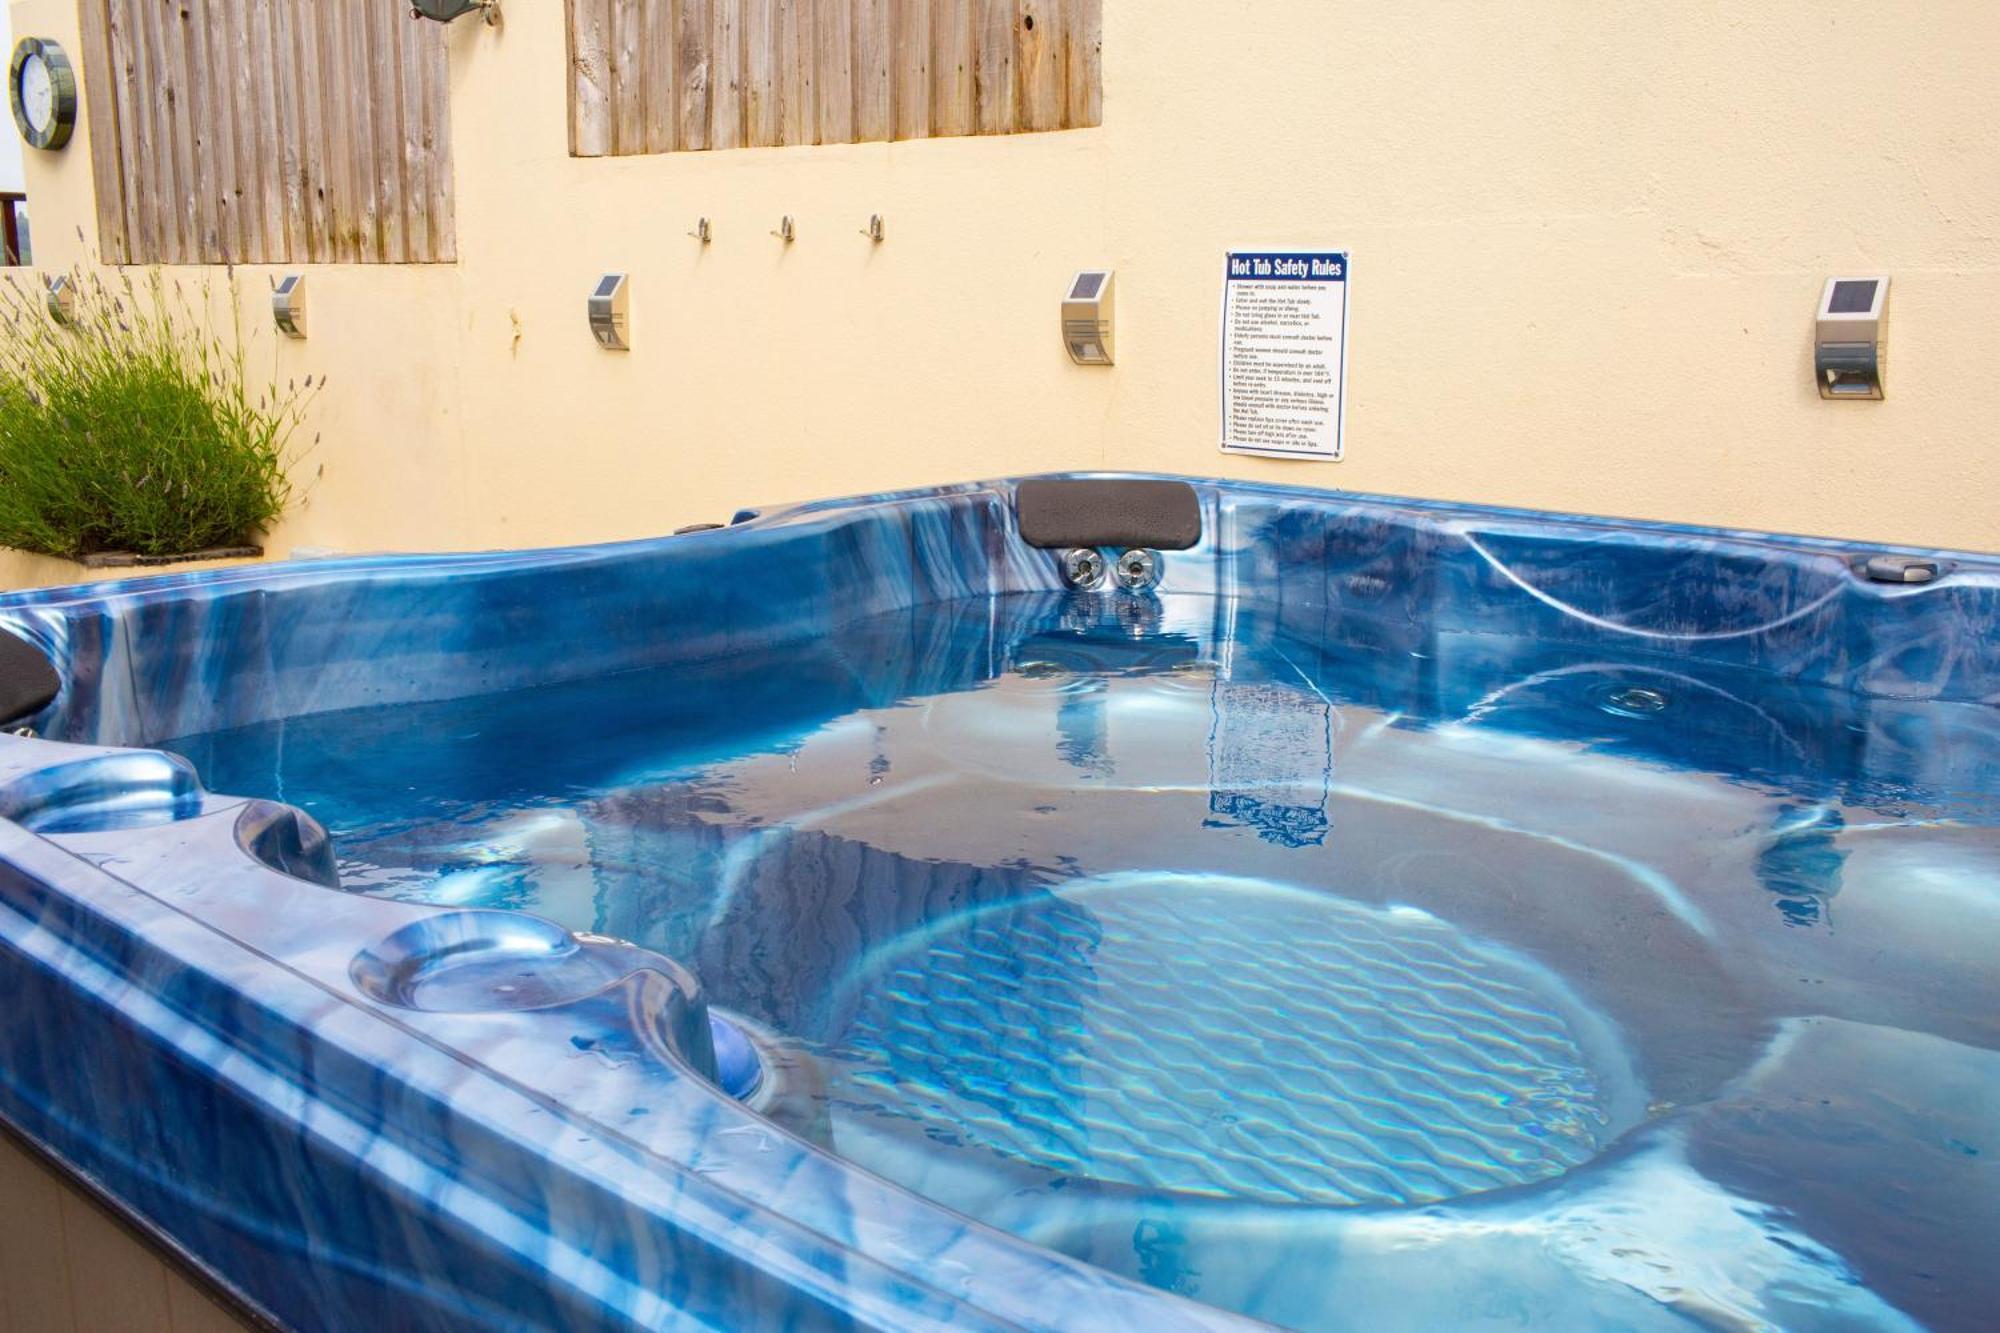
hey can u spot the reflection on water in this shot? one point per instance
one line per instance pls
(1801, 864)
(1271, 760)
(1331, 982)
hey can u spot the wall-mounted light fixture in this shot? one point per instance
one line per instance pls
(1087, 318)
(1848, 337)
(445, 11)
(610, 312)
(288, 305)
(788, 230)
(703, 232)
(61, 298)
(875, 230)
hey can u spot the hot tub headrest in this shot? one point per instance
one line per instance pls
(27, 682)
(1062, 512)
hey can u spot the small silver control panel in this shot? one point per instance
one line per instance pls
(288, 305)
(1087, 318)
(1849, 335)
(610, 312)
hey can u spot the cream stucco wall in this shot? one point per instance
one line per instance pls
(10, 146)
(1586, 240)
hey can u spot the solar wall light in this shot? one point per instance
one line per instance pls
(288, 305)
(1848, 337)
(1086, 318)
(61, 298)
(610, 312)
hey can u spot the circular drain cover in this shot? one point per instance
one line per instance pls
(1233, 1038)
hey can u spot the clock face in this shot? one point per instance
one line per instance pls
(42, 89)
(38, 94)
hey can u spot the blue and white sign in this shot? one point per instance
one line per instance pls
(1284, 353)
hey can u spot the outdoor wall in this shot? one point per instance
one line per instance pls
(1587, 240)
(10, 144)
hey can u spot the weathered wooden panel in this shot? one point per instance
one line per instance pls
(910, 67)
(996, 106)
(628, 74)
(267, 131)
(874, 113)
(314, 173)
(725, 73)
(659, 79)
(692, 37)
(798, 104)
(257, 102)
(193, 198)
(762, 122)
(762, 73)
(1038, 66)
(1085, 62)
(954, 68)
(113, 131)
(833, 24)
(591, 93)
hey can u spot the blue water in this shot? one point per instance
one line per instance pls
(1332, 985)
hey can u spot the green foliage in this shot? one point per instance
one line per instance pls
(132, 427)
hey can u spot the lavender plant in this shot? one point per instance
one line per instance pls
(133, 426)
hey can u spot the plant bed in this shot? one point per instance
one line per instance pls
(129, 559)
(20, 569)
(130, 433)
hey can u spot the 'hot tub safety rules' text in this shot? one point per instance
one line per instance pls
(1284, 353)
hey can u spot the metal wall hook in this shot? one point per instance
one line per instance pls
(787, 231)
(874, 231)
(702, 231)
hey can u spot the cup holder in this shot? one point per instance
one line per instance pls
(473, 962)
(489, 962)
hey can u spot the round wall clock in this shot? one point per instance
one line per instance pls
(42, 88)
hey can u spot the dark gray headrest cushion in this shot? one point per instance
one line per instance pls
(1061, 512)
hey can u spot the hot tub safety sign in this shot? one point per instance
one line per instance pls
(1284, 353)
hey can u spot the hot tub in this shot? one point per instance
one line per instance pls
(1057, 904)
